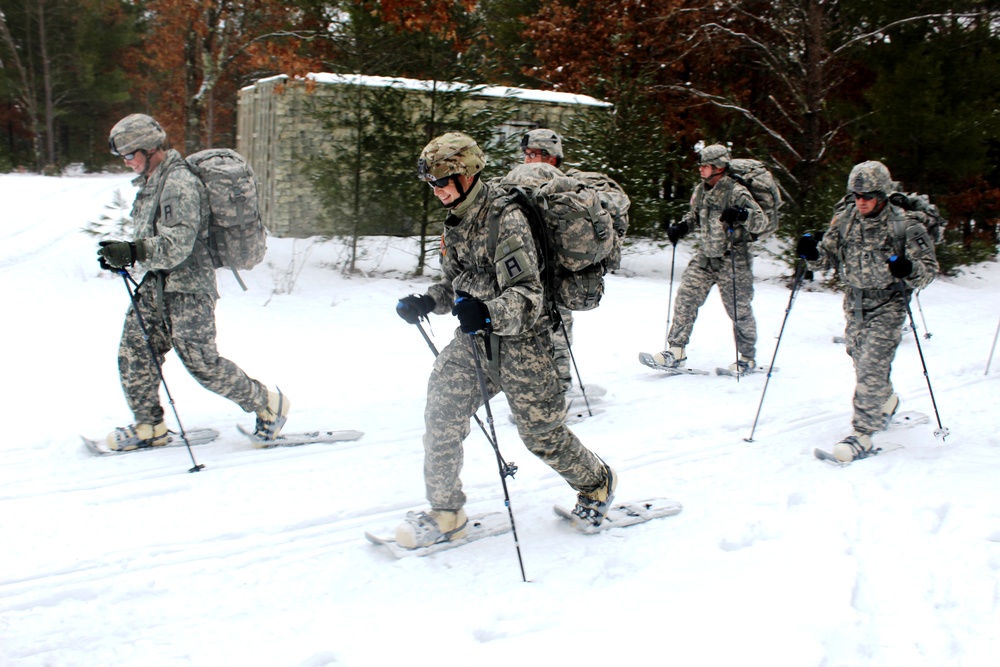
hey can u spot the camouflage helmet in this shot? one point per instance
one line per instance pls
(716, 155)
(137, 132)
(450, 154)
(545, 140)
(869, 176)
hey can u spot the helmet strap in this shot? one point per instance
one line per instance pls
(462, 193)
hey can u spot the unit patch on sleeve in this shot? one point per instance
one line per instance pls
(511, 262)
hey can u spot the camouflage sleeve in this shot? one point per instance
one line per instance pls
(519, 303)
(920, 251)
(829, 247)
(442, 291)
(179, 222)
(757, 222)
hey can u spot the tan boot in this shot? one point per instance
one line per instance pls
(744, 366)
(421, 529)
(272, 418)
(593, 506)
(675, 357)
(853, 447)
(136, 436)
(889, 409)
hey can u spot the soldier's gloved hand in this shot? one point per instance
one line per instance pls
(472, 314)
(732, 215)
(114, 255)
(415, 307)
(900, 267)
(677, 231)
(808, 246)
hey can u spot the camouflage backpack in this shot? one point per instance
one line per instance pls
(917, 207)
(616, 202)
(756, 178)
(574, 231)
(237, 238)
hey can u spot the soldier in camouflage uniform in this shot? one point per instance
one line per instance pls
(879, 250)
(498, 299)
(728, 219)
(176, 297)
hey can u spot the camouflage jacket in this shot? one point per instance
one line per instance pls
(170, 214)
(707, 205)
(507, 280)
(859, 248)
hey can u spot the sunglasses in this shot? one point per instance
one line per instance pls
(531, 155)
(440, 182)
(865, 196)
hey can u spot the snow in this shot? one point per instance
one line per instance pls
(778, 559)
(525, 94)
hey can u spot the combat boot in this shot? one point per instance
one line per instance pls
(272, 418)
(853, 447)
(138, 436)
(744, 366)
(592, 507)
(422, 529)
(889, 409)
(672, 358)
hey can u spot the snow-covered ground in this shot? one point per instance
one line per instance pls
(777, 560)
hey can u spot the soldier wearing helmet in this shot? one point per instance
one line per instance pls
(727, 219)
(174, 305)
(542, 145)
(491, 282)
(881, 253)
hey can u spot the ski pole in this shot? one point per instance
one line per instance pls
(670, 298)
(927, 333)
(434, 349)
(576, 369)
(800, 271)
(506, 469)
(133, 296)
(941, 431)
(992, 349)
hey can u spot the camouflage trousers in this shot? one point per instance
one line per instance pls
(524, 370)
(699, 277)
(872, 335)
(187, 326)
(560, 346)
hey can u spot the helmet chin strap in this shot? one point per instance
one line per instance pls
(147, 154)
(462, 194)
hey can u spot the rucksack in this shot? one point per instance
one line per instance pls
(755, 177)
(616, 202)
(574, 231)
(917, 205)
(237, 239)
(925, 211)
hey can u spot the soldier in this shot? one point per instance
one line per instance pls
(728, 219)
(545, 146)
(177, 295)
(499, 299)
(882, 253)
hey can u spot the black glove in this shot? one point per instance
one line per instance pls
(472, 314)
(733, 215)
(900, 267)
(677, 231)
(415, 307)
(114, 255)
(808, 246)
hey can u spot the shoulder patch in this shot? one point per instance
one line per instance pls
(510, 260)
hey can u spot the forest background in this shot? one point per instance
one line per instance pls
(810, 87)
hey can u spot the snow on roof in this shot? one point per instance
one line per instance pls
(525, 94)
